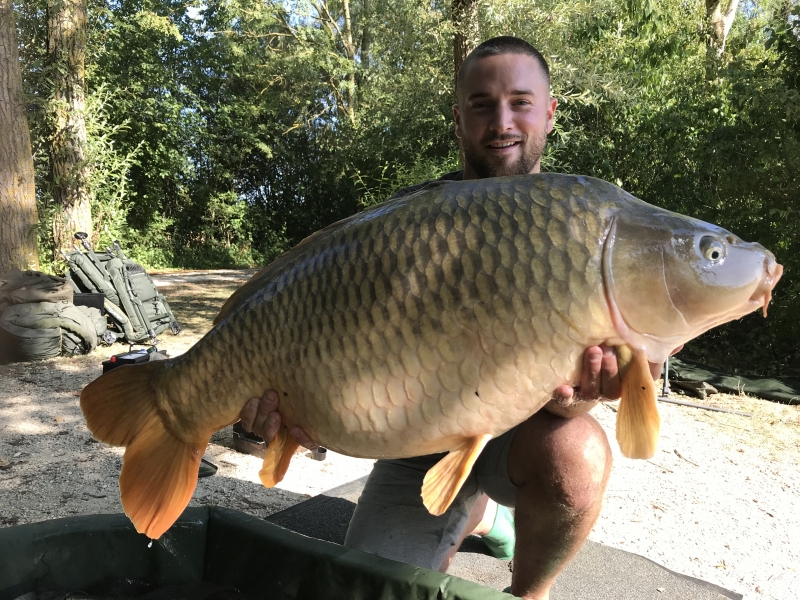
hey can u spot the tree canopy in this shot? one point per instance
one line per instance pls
(222, 132)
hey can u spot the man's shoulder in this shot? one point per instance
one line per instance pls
(418, 187)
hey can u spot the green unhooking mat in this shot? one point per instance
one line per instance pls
(18, 287)
(39, 321)
(41, 330)
(209, 554)
(780, 389)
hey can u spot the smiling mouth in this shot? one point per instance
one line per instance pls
(502, 144)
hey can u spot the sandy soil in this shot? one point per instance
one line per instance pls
(719, 501)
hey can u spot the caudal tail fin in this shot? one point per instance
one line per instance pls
(638, 420)
(159, 470)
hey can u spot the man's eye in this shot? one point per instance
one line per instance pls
(521, 103)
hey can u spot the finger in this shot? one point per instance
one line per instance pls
(267, 405)
(248, 414)
(302, 438)
(611, 386)
(678, 349)
(564, 395)
(270, 428)
(590, 374)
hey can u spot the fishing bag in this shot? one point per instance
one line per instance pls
(38, 319)
(17, 287)
(136, 310)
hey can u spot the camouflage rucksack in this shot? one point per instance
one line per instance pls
(136, 310)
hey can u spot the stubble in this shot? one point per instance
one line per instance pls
(486, 165)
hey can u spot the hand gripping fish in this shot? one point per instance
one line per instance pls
(433, 323)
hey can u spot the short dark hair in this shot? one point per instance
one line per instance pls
(504, 44)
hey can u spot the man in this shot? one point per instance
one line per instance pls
(554, 467)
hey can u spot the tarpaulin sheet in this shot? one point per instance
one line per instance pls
(780, 389)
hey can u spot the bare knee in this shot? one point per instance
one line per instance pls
(565, 461)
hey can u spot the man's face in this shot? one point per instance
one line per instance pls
(503, 116)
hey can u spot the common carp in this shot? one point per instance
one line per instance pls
(433, 323)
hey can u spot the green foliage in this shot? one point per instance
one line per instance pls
(110, 171)
(376, 190)
(108, 182)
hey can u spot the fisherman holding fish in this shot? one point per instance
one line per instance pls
(444, 321)
(554, 467)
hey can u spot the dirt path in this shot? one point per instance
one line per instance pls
(719, 501)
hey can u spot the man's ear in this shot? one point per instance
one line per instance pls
(551, 112)
(457, 119)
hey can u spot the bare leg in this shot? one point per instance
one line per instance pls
(480, 521)
(561, 467)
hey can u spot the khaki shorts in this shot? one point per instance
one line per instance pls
(391, 521)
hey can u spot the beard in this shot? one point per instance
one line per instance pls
(485, 165)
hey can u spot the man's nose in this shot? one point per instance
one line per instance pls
(502, 119)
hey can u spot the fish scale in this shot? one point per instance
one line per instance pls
(447, 283)
(432, 323)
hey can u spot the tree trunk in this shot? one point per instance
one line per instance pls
(362, 72)
(18, 215)
(66, 48)
(366, 35)
(351, 51)
(466, 32)
(719, 24)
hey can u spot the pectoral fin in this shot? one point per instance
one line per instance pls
(277, 458)
(444, 480)
(638, 421)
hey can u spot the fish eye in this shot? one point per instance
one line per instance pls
(711, 248)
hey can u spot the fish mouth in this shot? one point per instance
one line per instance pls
(763, 294)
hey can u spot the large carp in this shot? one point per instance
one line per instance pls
(433, 323)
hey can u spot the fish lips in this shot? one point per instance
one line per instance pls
(763, 294)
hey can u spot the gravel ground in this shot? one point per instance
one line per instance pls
(719, 501)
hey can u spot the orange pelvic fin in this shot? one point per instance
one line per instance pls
(277, 458)
(159, 470)
(638, 421)
(444, 480)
